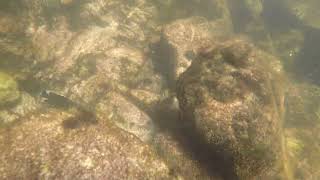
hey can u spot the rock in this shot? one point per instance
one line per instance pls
(182, 162)
(232, 95)
(105, 57)
(179, 9)
(9, 91)
(182, 38)
(26, 106)
(15, 49)
(127, 115)
(97, 65)
(11, 25)
(44, 147)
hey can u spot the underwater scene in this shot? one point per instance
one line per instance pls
(160, 89)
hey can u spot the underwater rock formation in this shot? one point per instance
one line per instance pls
(126, 115)
(182, 38)
(9, 91)
(45, 147)
(116, 63)
(106, 56)
(180, 9)
(26, 106)
(232, 95)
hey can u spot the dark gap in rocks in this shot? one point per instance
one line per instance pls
(210, 158)
(163, 58)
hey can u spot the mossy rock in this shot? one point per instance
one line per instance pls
(9, 92)
(232, 96)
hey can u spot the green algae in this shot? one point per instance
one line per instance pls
(9, 92)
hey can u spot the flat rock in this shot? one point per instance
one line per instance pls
(48, 146)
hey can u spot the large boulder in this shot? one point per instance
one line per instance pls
(232, 95)
(64, 145)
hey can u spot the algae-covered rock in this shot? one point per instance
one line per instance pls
(126, 115)
(107, 55)
(232, 95)
(45, 147)
(182, 38)
(27, 105)
(177, 9)
(8, 89)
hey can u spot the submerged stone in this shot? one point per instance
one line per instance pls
(232, 96)
(182, 38)
(42, 147)
(127, 115)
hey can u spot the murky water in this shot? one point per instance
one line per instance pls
(160, 89)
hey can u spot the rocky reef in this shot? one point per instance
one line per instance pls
(150, 89)
(45, 147)
(232, 95)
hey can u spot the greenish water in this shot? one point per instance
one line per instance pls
(113, 89)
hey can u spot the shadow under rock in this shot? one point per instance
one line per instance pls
(167, 119)
(193, 142)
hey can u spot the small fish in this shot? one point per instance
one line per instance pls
(59, 101)
(55, 99)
